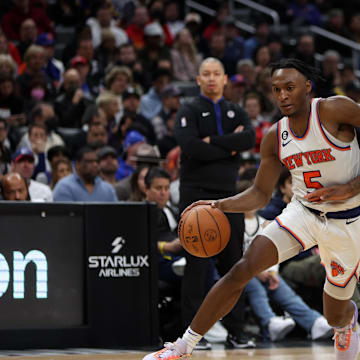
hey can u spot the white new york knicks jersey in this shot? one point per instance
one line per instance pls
(318, 159)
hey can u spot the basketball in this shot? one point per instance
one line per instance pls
(204, 231)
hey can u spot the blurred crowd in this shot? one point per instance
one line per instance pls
(114, 73)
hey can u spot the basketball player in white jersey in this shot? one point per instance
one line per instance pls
(316, 141)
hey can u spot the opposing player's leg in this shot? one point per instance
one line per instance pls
(261, 255)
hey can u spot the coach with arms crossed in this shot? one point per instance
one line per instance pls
(211, 133)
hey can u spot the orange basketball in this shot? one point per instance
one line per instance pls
(204, 231)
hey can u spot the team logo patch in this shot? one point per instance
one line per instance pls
(284, 135)
(231, 114)
(336, 269)
(183, 122)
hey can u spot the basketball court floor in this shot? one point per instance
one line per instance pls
(291, 350)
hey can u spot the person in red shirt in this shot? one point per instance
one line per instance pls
(135, 30)
(6, 47)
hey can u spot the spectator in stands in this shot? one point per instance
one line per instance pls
(116, 140)
(234, 50)
(54, 68)
(262, 58)
(127, 162)
(157, 189)
(103, 20)
(193, 23)
(170, 98)
(217, 25)
(106, 52)
(23, 163)
(93, 114)
(59, 170)
(132, 117)
(330, 71)
(261, 37)
(336, 24)
(8, 66)
(137, 183)
(85, 185)
(246, 68)
(71, 103)
(253, 106)
(275, 45)
(34, 62)
(82, 32)
(96, 136)
(185, 57)
(83, 68)
(305, 49)
(85, 49)
(13, 187)
(264, 87)
(168, 141)
(38, 91)
(28, 36)
(154, 48)
(108, 164)
(43, 114)
(217, 49)
(117, 80)
(172, 23)
(36, 143)
(133, 187)
(135, 30)
(57, 153)
(22, 10)
(156, 11)
(150, 103)
(8, 48)
(301, 13)
(5, 153)
(11, 105)
(127, 56)
(235, 89)
(109, 103)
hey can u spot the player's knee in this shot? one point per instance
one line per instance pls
(242, 272)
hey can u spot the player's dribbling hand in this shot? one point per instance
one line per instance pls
(331, 193)
(212, 203)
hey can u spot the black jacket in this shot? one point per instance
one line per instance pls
(211, 166)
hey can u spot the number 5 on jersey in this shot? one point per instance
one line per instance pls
(310, 184)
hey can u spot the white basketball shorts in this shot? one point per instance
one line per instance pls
(297, 229)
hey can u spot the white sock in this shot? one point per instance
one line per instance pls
(191, 338)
